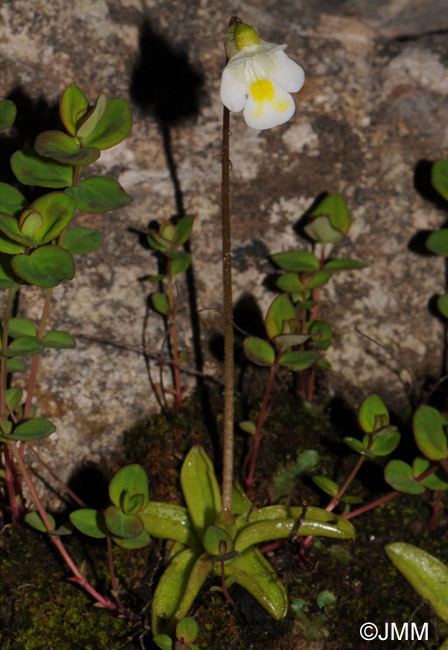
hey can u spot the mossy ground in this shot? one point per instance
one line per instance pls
(40, 609)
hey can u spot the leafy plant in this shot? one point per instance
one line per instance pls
(208, 541)
(312, 626)
(37, 248)
(167, 241)
(187, 631)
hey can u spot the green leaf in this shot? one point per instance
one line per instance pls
(248, 427)
(344, 264)
(99, 194)
(49, 214)
(20, 327)
(436, 481)
(64, 149)
(290, 340)
(385, 443)
(290, 283)
(82, 240)
(177, 589)
(427, 575)
(91, 119)
(298, 359)
(183, 230)
(200, 489)
(169, 521)
(437, 242)
(321, 335)
(10, 227)
(163, 641)
(33, 429)
(358, 446)
(11, 200)
(321, 230)
(400, 476)
(59, 340)
(31, 169)
(14, 397)
(90, 522)
(217, 541)
(241, 504)
(280, 312)
(131, 479)
(6, 273)
(156, 241)
(112, 128)
(160, 303)
(285, 478)
(187, 630)
(180, 261)
(46, 267)
(135, 542)
(72, 108)
(334, 207)
(316, 279)
(254, 573)
(15, 365)
(326, 485)
(325, 598)
(122, 525)
(296, 261)
(8, 113)
(34, 520)
(442, 305)
(259, 351)
(439, 177)
(373, 414)
(430, 432)
(8, 246)
(24, 345)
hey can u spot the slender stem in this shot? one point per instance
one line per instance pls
(79, 578)
(335, 500)
(173, 339)
(229, 379)
(113, 578)
(4, 360)
(253, 451)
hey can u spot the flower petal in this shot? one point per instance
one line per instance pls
(233, 88)
(286, 72)
(268, 105)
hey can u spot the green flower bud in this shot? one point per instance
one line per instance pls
(239, 36)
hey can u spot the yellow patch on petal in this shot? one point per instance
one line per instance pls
(262, 91)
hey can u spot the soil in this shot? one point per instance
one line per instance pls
(39, 608)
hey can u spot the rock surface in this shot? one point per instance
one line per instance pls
(370, 118)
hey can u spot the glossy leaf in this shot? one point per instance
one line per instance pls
(187, 630)
(436, 481)
(113, 126)
(439, 177)
(64, 149)
(33, 429)
(427, 575)
(344, 264)
(430, 432)
(373, 414)
(31, 169)
(90, 522)
(179, 577)
(183, 230)
(217, 541)
(34, 520)
(163, 641)
(298, 359)
(280, 310)
(169, 521)
(11, 200)
(82, 240)
(385, 443)
(24, 345)
(437, 242)
(133, 543)
(20, 327)
(59, 340)
(200, 489)
(131, 479)
(46, 267)
(296, 261)
(290, 283)
(241, 504)
(72, 108)
(180, 261)
(259, 351)
(55, 210)
(8, 113)
(254, 573)
(99, 194)
(400, 476)
(91, 118)
(160, 303)
(122, 525)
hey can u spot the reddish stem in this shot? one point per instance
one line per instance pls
(173, 341)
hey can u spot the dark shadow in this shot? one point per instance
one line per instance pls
(424, 186)
(33, 117)
(417, 243)
(304, 219)
(90, 484)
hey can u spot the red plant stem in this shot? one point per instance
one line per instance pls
(229, 379)
(316, 292)
(252, 455)
(77, 575)
(113, 578)
(435, 511)
(173, 340)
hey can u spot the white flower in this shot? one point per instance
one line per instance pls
(259, 79)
